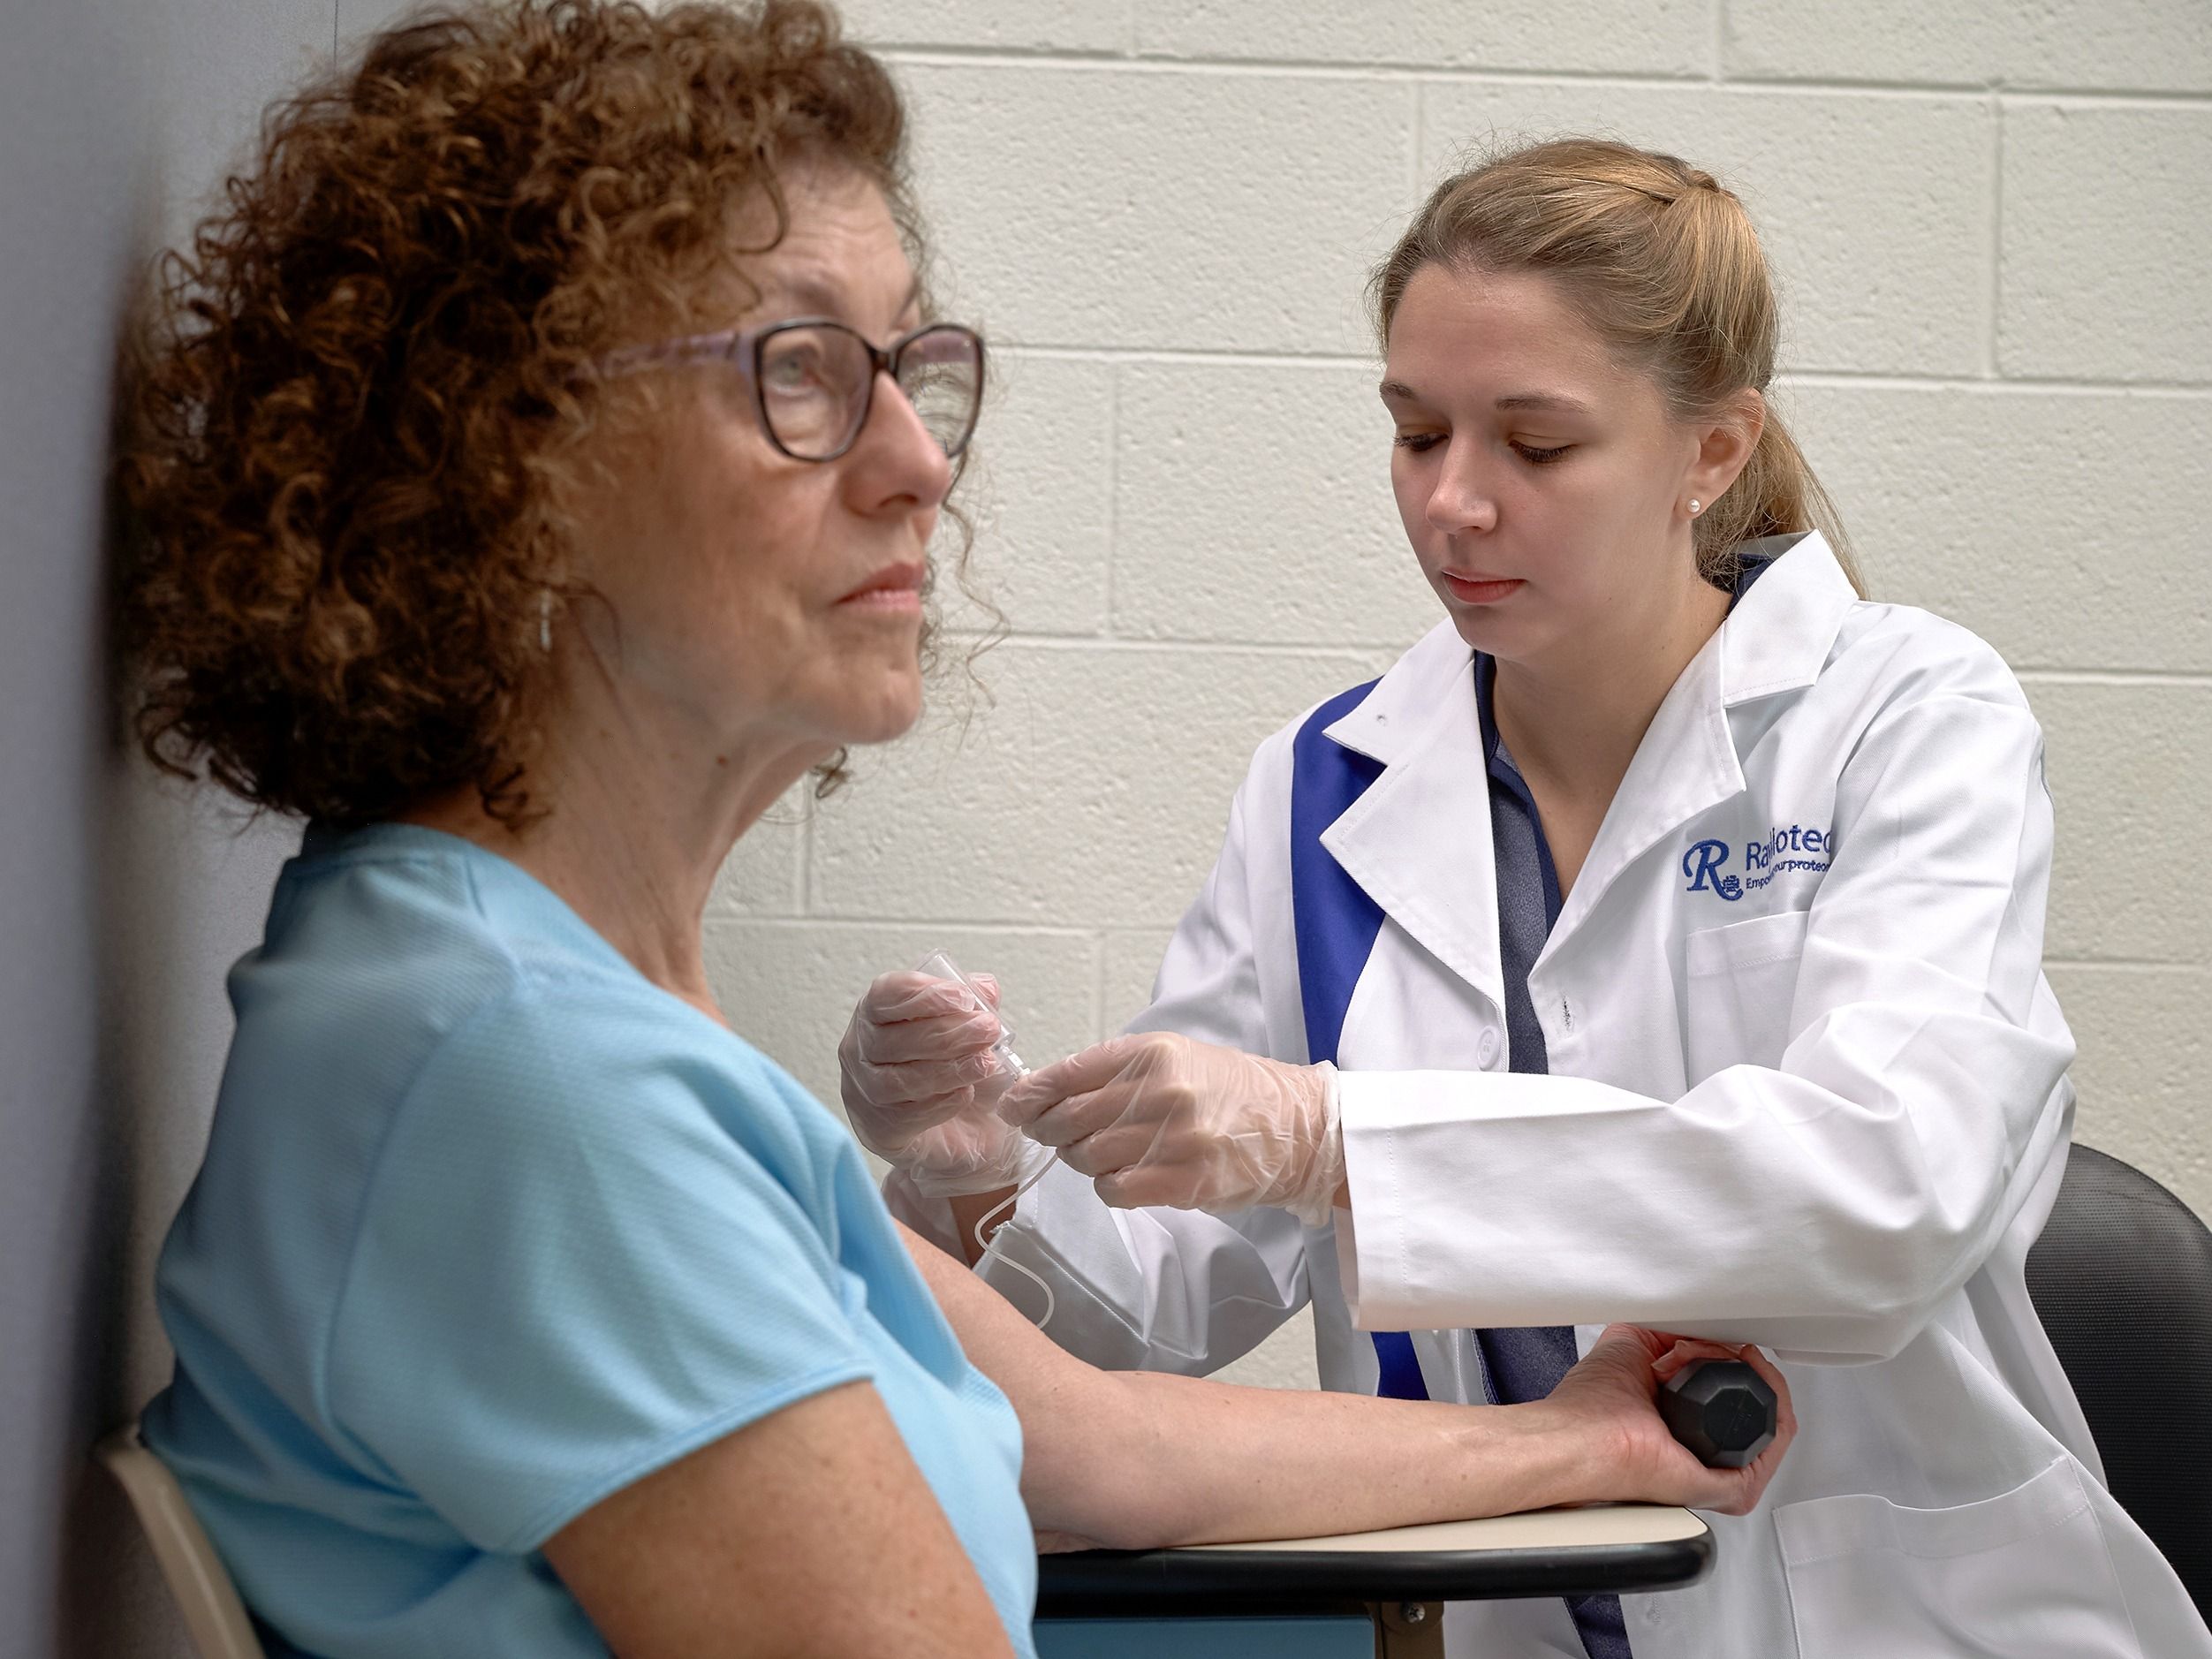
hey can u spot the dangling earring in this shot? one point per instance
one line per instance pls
(545, 619)
(1696, 506)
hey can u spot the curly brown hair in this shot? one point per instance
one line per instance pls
(354, 403)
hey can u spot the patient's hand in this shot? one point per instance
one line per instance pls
(1608, 1402)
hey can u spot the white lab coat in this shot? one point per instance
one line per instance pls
(1816, 1101)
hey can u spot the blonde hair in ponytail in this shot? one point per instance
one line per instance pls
(1664, 265)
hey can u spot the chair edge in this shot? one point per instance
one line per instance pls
(215, 1614)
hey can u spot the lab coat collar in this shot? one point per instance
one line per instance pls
(1388, 724)
(1418, 841)
(1778, 636)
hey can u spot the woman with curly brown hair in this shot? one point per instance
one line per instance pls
(537, 461)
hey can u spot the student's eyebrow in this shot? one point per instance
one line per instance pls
(1542, 401)
(1554, 402)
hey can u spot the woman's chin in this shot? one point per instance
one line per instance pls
(885, 711)
(1506, 638)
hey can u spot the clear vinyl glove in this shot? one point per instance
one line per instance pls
(921, 1073)
(1157, 1119)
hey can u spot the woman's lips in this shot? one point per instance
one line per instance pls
(894, 587)
(1478, 589)
(902, 599)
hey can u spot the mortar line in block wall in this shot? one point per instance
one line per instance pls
(1992, 365)
(1413, 141)
(2090, 97)
(1872, 379)
(2011, 386)
(1720, 41)
(926, 56)
(2095, 98)
(1181, 355)
(803, 886)
(1113, 494)
(1326, 650)
(2126, 965)
(2186, 679)
(1098, 988)
(933, 56)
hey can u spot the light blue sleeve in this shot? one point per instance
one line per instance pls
(595, 1240)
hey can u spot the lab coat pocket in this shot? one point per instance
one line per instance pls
(2023, 1575)
(1739, 982)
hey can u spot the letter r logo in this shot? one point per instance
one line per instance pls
(1702, 863)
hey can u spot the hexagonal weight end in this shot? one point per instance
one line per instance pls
(1722, 1409)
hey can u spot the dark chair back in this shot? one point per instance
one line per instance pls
(2122, 1278)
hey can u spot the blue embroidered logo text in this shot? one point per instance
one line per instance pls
(1784, 847)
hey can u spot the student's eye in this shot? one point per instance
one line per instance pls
(1419, 443)
(1536, 457)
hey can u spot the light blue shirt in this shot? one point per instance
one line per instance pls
(490, 1227)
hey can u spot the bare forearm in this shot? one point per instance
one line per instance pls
(1138, 1459)
(1205, 1462)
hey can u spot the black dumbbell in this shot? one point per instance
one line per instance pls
(1721, 1409)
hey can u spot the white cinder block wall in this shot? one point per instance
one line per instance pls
(1992, 227)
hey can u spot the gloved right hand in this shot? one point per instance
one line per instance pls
(920, 1084)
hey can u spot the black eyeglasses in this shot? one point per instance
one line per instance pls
(813, 380)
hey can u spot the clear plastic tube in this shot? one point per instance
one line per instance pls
(937, 964)
(1012, 1066)
(987, 1246)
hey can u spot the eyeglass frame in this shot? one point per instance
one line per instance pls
(742, 347)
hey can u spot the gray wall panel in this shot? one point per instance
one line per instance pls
(120, 903)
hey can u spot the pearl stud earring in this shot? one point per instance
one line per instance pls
(1696, 506)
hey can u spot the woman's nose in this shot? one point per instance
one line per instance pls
(1459, 501)
(901, 458)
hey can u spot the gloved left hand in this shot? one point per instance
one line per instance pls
(921, 1085)
(1160, 1119)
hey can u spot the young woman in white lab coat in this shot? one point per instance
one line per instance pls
(1659, 940)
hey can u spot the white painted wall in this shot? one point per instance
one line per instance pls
(1991, 225)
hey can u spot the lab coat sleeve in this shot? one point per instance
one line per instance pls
(1159, 1289)
(1824, 1208)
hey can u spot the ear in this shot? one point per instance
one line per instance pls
(1724, 447)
